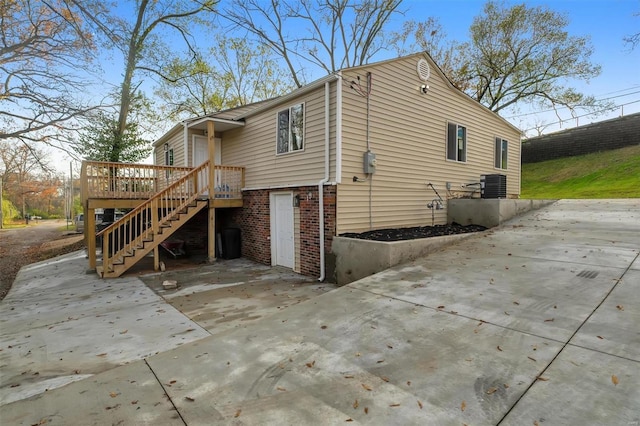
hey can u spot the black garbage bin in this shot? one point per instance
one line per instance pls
(231, 243)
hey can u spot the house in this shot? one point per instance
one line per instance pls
(370, 147)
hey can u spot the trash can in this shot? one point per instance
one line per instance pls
(231, 243)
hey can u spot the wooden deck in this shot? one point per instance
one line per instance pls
(158, 197)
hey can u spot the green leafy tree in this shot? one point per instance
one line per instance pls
(97, 142)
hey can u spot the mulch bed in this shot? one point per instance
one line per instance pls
(400, 234)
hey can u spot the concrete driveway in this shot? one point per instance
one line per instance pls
(536, 322)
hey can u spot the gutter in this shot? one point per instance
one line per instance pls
(327, 107)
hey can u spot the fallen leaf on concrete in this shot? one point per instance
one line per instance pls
(380, 361)
(237, 413)
(408, 382)
(600, 337)
(389, 346)
(463, 405)
(172, 382)
(355, 404)
(535, 423)
(549, 320)
(419, 404)
(506, 313)
(134, 402)
(542, 379)
(499, 348)
(506, 386)
(349, 420)
(515, 302)
(367, 387)
(311, 364)
(15, 385)
(124, 331)
(102, 355)
(358, 354)
(113, 394)
(614, 380)
(188, 398)
(394, 405)
(324, 327)
(348, 376)
(385, 379)
(441, 307)
(620, 307)
(491, 391)
(111, 408)
(366, 410)
(281, 389)
(190, 329)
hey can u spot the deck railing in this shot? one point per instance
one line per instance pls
(108, 180)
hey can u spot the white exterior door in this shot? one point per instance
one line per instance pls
(282, 242)
(201, 153)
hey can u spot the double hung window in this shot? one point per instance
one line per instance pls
(291, 129)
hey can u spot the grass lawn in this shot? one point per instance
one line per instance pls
(609, 174)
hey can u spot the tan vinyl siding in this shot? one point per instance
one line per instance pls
(408, 132)
(175, 142)
(254, 145)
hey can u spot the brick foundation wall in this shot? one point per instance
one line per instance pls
(254, 221)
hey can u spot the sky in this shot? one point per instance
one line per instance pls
(606, 22)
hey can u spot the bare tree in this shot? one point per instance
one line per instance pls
(634, 39)
(329, 34)
(43, 45)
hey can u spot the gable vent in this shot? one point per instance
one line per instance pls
(423, 70)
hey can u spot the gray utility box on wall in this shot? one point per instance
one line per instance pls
(493, 186)
(369, 162)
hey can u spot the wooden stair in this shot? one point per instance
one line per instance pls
(131, 238)
(129, 258)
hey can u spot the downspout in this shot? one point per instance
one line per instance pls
(327, 102)
(185, 143)
(339, 129)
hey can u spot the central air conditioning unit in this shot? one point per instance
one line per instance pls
(493, 186)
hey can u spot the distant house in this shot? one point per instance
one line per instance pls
(595, 137)
(356, 148)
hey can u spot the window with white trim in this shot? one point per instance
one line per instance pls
(456, 142)
(291, 129)
(501, 153)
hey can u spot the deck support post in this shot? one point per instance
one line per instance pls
(211, 254)
(90, 235)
